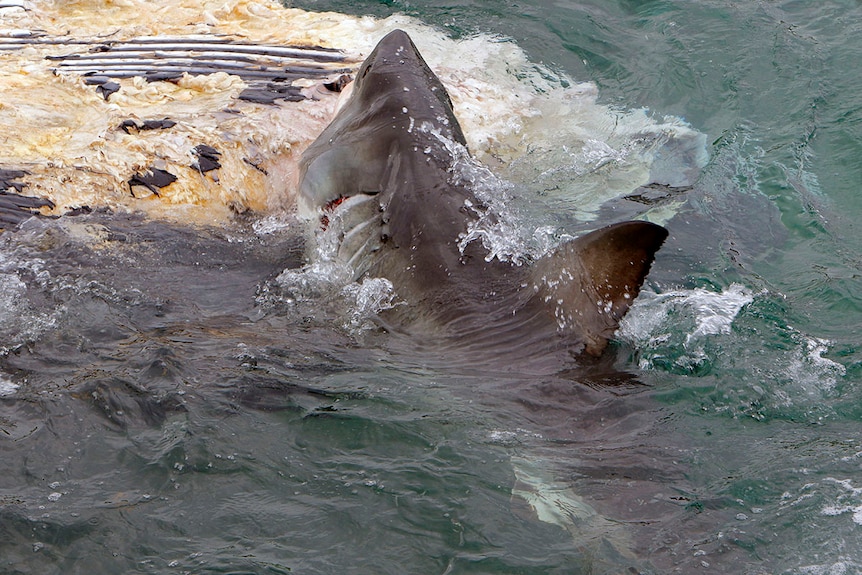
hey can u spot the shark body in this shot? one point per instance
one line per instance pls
(383, 171)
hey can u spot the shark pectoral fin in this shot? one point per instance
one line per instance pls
(591, 281)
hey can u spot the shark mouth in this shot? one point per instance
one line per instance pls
(339, 205)
(356, 224)
(328, 209)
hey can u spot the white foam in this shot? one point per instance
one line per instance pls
(327, 282)
(7, 388)
(712, 313)
(510, 438)
(842, 567)
(683, 330)
(810, 369)
(850, 501)
(498, 225)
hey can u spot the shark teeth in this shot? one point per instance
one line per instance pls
(348, 202)
(328, 209)
(332, 204)
(352, 226)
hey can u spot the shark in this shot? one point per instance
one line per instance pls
(383, 171)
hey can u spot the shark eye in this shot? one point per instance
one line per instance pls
(366, 70)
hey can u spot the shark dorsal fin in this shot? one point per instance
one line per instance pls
(591, 281)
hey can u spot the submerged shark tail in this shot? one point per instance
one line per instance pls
(590, 282)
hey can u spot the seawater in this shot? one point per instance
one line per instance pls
(226, 407)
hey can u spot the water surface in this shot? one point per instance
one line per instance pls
(169, 406)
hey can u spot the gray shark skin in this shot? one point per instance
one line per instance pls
(382, 170)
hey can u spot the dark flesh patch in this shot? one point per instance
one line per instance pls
(153, 179)
(8, 177)
(163, 124)
(338, 84)
(104, 85)
(207, 158)
(271, 92)
(15, 208)
(652, 194)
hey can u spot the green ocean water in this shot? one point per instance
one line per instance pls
(177, 420)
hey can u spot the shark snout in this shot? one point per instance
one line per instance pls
(396, 44)
(395, 53)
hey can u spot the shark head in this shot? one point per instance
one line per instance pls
(382, 172)
(381, 167)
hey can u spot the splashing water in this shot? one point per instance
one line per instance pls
(365, 300)
(707, 313)
(20, 321)
(7, 388)
(499, 225)
(849, 500)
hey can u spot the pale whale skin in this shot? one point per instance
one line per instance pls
(382, 171)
